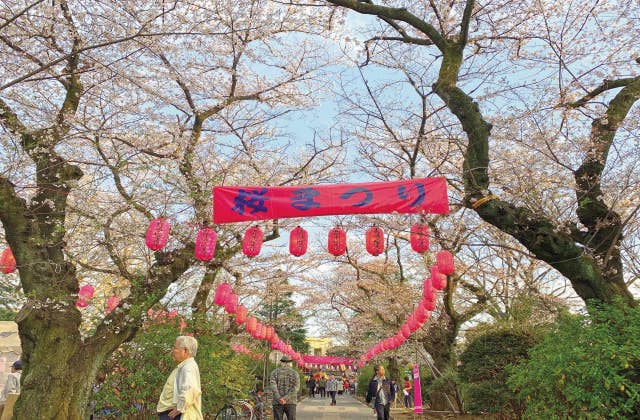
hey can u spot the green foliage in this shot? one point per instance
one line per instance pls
(482, 369)
(587, 367)
(281, 312)
(447, 384)
(364, 377)
(138, 371)
(7, 314)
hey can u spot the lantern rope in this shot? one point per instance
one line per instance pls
(483, 200)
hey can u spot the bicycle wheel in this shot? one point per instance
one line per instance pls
(227, 413)
(244, 410)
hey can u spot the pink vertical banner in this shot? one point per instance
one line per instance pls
(417, 393)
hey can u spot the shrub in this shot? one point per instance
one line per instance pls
(587, 367)
(138, 371)
(482, 370)
(445, 385)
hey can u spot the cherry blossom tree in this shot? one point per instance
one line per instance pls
(532, 109)
(113, 114)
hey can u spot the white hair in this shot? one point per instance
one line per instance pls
(188, 343)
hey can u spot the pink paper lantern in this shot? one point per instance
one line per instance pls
(428, 292)
(413, 324)
(252, 242)
(251, 324)
(269, 333)
(222, 291)
(419, 237)
(337, 242)
(7, 261)
(84, 296)
(241, 314)
(444, 260)
(429, 305)
(420, 313)
(231, 303)
(206, 244)
(112, 303)
(298, 241)
(157, 234)
(406, 332)
(375, 240)
(438, 280)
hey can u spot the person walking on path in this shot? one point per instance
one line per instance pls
(381, 393)
(181, 394)
(406, 391)
(284, 383)
(322, 386)
(312, 386)
(332, 388)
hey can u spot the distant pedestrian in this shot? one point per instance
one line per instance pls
(312, 386)
(395, 390)
(332, 387)
(406, 392)
(284, 383)
(322, 386)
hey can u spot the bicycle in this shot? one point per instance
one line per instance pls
(238, 410)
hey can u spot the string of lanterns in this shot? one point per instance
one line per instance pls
(239, 348)
(206, 238)
(421, 314)
(225, 297)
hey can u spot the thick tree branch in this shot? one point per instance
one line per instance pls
(400, 14)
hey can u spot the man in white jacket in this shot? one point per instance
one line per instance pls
(180, 396)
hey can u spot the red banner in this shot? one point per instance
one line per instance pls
(242, 204)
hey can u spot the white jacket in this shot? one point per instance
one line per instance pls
(187, 382)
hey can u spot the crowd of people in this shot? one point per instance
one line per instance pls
(321, 384)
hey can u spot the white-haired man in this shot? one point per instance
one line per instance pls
(181, 392)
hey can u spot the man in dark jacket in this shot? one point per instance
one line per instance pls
(381, 393)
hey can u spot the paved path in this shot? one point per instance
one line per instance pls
(347, 408)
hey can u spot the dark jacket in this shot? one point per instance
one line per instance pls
(386, 388)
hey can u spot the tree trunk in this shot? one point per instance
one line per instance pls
(440, 344)
(58, 368)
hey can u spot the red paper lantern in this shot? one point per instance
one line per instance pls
(252, 242)
(428, 292)
(405, 331)
(298, 241)
(396, 342)
(389, 344)
(157, 233)
(256, 333)
(269, 333)
(251, 324)
(429, 305)
(337, 242)
(206, 244)
(112, 303)
(222, 291)
(84, 296)
(7, 261)
(419, 237)
(420, 313)
(438, 280)
(375, 240)
(413, 324)
(231, 303)
(241, 314)
(444, 260)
